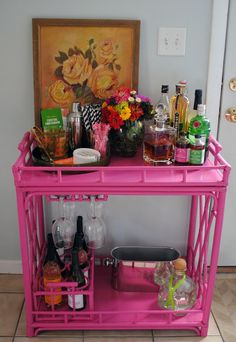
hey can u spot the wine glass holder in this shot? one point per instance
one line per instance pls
(106, 308)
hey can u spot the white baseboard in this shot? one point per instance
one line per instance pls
(11, 266)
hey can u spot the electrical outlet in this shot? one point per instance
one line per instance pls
(171, 41)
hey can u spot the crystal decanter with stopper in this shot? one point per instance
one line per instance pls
(179, 291)
(159, 141)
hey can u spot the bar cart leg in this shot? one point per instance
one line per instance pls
(25, 258)
(191, 234)
(214, 259)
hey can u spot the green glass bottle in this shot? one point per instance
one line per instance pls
(199, 125)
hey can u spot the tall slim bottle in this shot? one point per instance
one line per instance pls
(197, 101)
(77, 301)
(163, 104)
(179, 108)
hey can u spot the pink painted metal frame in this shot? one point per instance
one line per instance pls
(207, 187)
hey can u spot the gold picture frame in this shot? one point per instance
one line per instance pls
(82, 60)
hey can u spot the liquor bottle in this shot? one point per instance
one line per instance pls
(179, 107)
(197, 101)
(199, 125)
(159, 141)
(77, 301)
(82, 254)
(52, 254)
(163, 103)
(197, 151)
(80, 232)
(179, 291)
(52, 274)
(162, 273)
(182, 149)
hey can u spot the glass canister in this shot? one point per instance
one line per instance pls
(159, 141)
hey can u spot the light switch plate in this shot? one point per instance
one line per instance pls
(171, 41)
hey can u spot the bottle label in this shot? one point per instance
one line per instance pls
(197, 157)
(79, 301)
(53, 298)
(182, 155)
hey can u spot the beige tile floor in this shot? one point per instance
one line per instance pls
(222, 326)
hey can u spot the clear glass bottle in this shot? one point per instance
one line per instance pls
(159, 141)
(197, 151)
(163, 103)
(179, 108)
(163, 271)
(179, 292)
(182, 149)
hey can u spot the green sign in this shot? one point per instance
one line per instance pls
(51, 119)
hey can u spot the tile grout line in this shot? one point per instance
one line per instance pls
(17, 323)
(218, 327)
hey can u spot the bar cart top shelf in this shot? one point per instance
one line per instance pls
(121, 172)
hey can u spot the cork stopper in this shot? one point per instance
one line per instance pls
(180, 264)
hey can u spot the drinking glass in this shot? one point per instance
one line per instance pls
(95, 229)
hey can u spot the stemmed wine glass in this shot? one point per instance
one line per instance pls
(63, 230)
(95, 229)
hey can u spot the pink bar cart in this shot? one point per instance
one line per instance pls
(108, 308)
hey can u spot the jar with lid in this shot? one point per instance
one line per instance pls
(159, 141)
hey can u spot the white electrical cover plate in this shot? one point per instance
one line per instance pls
(171, 41)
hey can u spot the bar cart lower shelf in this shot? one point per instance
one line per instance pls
(109, 309)
(119, 310)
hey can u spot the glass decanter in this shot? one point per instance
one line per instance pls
(163, 271)
(159, 141)
(179, 291)
(95, 229)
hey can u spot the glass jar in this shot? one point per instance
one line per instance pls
(159, 141)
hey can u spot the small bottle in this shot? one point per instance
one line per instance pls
(179, 292)
(52, 274)
(163, 103)
(77, 301)
(162, 273)
(179, 107)
(182, 149)
(197, 101)
(75, 127)
(159, 141)
(197, 151)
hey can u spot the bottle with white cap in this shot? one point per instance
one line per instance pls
(75, 127)
(199, 125)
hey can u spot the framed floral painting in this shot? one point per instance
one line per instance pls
(82, 60)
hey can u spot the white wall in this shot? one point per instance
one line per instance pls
(17, 109)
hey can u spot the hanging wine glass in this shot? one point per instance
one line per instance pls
(95, 229)
(62, 230)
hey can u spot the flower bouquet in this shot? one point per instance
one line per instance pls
(124, 112)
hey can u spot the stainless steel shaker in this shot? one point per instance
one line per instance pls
(75, 126)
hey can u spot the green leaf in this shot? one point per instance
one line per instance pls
(58, 71)
(88, 54)
(71, 52)
(63, 55)
(59, 60)
(118, 67)
(110, 66)
(79, 91)
(91, 41)
(94, 64)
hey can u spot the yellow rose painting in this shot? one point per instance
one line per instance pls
(85, 63)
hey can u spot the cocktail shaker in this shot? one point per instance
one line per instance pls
(75, 126)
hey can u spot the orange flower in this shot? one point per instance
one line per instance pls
(61, 93)
(106, 52)
(76, 69)
(103, 82)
